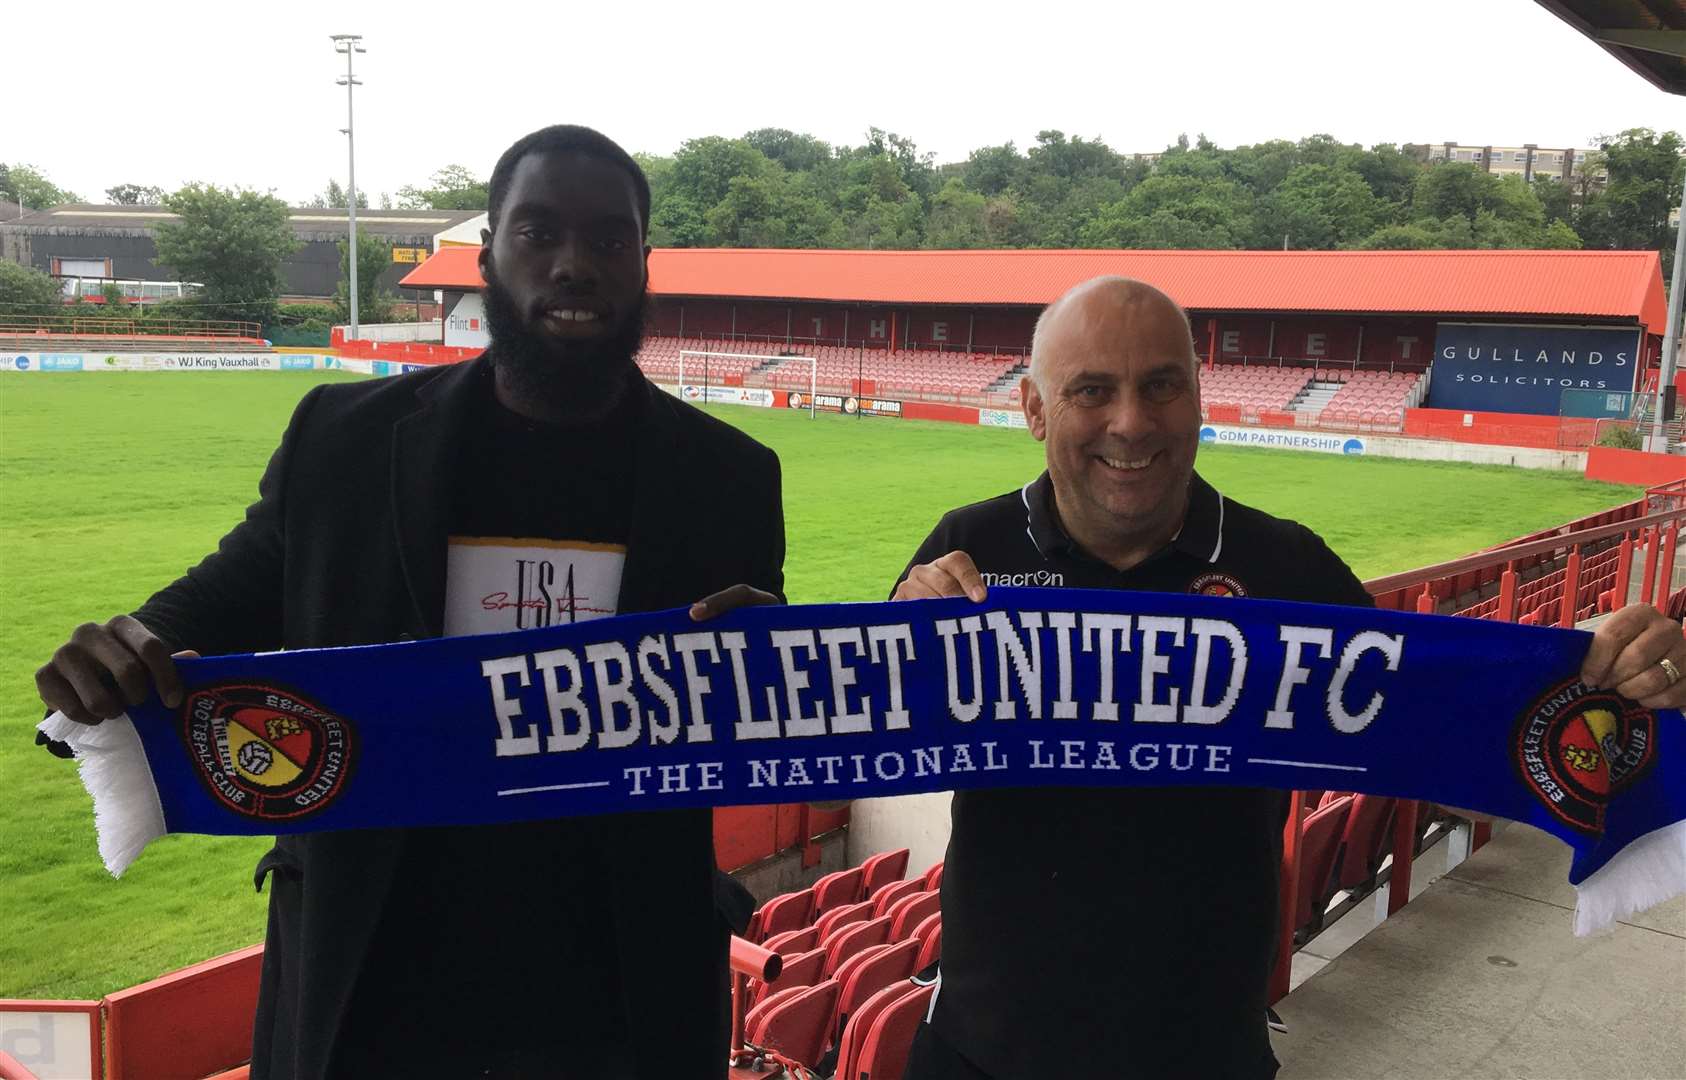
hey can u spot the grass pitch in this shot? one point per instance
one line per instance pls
(112, 484)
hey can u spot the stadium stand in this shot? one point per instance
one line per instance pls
(1341, 398)
(925, 373)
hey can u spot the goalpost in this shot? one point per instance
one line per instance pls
(701, 358)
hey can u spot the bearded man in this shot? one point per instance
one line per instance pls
(544, 481)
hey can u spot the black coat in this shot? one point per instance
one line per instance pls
(346, 545)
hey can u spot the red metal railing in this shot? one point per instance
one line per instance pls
(116, 326)
(1558, 577)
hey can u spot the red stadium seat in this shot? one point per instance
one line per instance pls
(796, 1026)
(829, 923)
(1320, 838)
(934, 876)
(792, 942)
(836, 890)
(791, 911)
(887, 965)
(802, 969)
(882, 869)
(910, 911)
(855, 1032)
(929, 934)
(884, 1053)
(1366, 838)
(852, 939)
(895, 891)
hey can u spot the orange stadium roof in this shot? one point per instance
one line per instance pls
(1625, 285)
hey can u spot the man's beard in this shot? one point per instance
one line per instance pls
(574, 380)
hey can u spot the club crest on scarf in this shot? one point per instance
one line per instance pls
(1575, 748)
(264, 751)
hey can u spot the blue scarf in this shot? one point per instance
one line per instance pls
(1035, 687)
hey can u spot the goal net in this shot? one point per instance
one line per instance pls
(705, 373)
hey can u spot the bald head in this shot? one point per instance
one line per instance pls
(1114, 393)
(1105, 306)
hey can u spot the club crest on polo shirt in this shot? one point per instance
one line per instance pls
(1576, 747)
(1216, 584)
(265, 752)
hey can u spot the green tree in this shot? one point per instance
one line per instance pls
(232, 241)
(29, 186)
(25, 290)
(1390, 171)
(1557, 199)
(1175, 211)
(992, 170)
(455, 187)
(918, 171)
(1319, 207)
(703, 169)
(374, 304)
(1451, 189)
(772, 210)
(1421, 234)
(958, 219)
(333, 197)
(796, 152)
(1631, 213)
(675, 221)
(135, 195)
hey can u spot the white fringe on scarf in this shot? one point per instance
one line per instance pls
(1642, 875)
(112, 763)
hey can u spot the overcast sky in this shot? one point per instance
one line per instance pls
(243, 94)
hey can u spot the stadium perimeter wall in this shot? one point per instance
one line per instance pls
(1478, 452)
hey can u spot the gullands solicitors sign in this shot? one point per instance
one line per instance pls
(1526, 369)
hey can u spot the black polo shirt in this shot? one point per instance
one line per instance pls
(1129, 930)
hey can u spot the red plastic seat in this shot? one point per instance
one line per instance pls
(1320, 839)
(929, 934)
(837, 889)
(791, 911)
(882, 869)
(883, 1054)
(796, 1026)
(829, 923)
(1365, 839)
(895, 891)
(803, 969)
(852, 939)
(886, 966)
(910, 911)
(934, 876)
(853, 1039)
(792, 942)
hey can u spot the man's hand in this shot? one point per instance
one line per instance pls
(1627, 653)
(729, 599)
(103, 669)
(952, 575)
